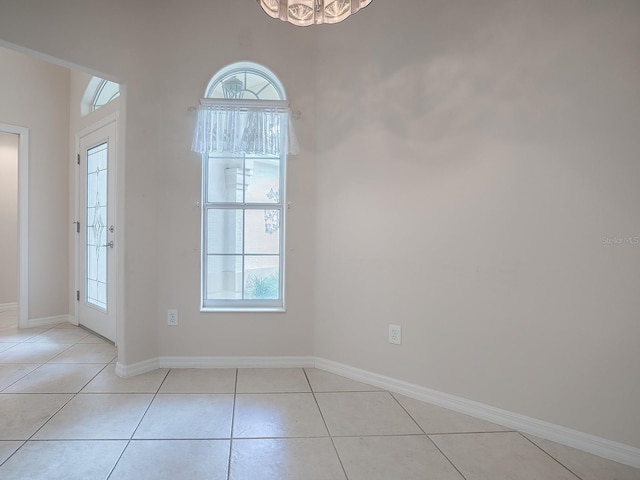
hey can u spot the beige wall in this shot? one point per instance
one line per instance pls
(461, 165)
(471, 159)
(8, 218)
(35, 94)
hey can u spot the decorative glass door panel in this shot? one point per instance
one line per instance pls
(96, 228)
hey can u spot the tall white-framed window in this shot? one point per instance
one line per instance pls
(242, 134)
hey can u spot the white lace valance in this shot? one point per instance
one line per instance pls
(260, 127)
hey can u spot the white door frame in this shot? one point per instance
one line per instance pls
(79, 249)
(23, 220)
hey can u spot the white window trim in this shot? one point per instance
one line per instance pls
(244, 305)
(289, 143)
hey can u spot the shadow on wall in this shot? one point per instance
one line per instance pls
(451, 74)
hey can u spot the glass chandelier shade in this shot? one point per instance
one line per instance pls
(309, 12)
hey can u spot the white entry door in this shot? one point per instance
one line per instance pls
(96, 293)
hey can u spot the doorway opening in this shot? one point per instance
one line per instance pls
(14, 168)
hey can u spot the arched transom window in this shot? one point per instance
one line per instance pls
(106, 91)
(245, 81)
(98, 93)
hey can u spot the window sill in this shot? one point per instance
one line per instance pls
(242, 310)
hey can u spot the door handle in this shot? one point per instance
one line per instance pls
(110, 244)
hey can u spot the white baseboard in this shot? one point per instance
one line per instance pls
(602, 447)
(237, 362)
(145, 366)
(48, 321)
(6, 307)
(126, 371)
(582, 441)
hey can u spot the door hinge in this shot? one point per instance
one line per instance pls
(77, 295)
(78, 159)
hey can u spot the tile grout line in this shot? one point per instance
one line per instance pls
(233, 417)
(115, 464)
(549, 455)
(47, 363)
(73, 395)
(62, 343)
(428, 437)
(92, 378)
(69, 345)
(51, 417)
(333, 443)
(446, 456)
(16, 343)
(40, 365)
(16, 451)
(28, 373)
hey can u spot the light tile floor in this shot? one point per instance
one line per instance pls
(65, 414)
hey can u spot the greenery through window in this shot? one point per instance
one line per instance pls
(243, 206)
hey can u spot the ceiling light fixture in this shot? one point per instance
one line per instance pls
(308, 12)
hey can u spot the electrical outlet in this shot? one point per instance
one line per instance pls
(172, 317)
(395, 334)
